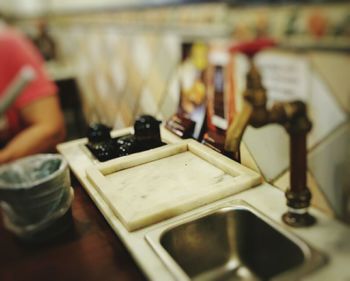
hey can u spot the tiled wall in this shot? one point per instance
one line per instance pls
(122, 75)
(126, 64)
(126, 60)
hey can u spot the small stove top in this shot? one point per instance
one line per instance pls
(119, 146)
(103, 144)
(105, 147)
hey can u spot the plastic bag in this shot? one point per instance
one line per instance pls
(35, 191)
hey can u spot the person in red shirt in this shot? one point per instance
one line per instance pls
(34, 122)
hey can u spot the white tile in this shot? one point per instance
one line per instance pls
(247, 159)
(333, 67)
(111, 40)
(325, 113)
(142, 55)
(330, 165)
(94, 47)
(147, 102)
(118, 122)
(269, 146)
(172, 98)
(102, 85)
(172, 43)
(118, 74)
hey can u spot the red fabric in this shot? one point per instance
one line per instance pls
(15, 52)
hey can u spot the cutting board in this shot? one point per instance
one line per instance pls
(157, 184)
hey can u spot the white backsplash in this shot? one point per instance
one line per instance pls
(325, 113)
(269, 146)
(330, 165)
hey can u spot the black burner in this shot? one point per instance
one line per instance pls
(104, 147)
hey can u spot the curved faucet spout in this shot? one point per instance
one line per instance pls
(235, 131)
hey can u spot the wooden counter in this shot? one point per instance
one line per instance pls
(88, 251)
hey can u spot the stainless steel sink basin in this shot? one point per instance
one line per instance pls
(233, 243)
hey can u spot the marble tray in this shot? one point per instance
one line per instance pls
(154, 185)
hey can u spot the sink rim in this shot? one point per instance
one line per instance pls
(313, 258)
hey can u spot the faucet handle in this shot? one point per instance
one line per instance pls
(250, 48)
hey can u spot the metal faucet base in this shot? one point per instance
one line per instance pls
(298, 220)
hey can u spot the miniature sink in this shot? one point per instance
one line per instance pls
(233, 243)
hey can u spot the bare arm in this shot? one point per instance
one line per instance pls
(45, 128)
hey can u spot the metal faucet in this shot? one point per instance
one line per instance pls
(293, 117)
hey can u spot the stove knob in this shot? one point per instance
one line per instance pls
(98, 133)
(146, 128)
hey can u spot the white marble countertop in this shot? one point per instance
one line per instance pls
(328, 235)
